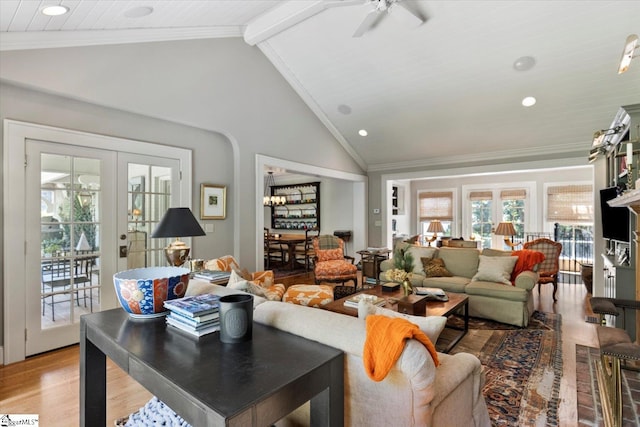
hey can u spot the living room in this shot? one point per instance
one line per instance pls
(227, 102)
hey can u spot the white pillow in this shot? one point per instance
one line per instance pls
(495, 269)
(419, 252)
(432, 326)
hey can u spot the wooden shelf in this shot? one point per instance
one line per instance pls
(302, 209)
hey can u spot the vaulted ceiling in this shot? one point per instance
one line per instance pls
(442, 91)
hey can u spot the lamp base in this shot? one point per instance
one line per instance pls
(508, 242)
(177, 253)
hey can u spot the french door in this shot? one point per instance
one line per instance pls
(69, 210)
(72, 249)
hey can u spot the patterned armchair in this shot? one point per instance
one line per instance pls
(549, 268)
(331, 264)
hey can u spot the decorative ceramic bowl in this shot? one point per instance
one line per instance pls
(143, 291)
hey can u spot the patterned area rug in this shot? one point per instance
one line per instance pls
(523, 368)
(589, 409)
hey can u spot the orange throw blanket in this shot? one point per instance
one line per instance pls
(385, 342)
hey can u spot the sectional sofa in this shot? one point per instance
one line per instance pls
(414, 393)
(477, 274)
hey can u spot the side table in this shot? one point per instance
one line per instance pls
(371, 265)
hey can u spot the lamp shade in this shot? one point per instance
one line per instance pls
(435, 226)
(505, 229)
(178, 222)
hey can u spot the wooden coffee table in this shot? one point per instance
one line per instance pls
(434, 308)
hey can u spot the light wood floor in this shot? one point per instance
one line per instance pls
(48, 385)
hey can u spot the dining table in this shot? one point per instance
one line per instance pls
(290, 241)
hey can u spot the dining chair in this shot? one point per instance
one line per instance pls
(549, 268)
(304, 252)
(331, 264)
(273, 251)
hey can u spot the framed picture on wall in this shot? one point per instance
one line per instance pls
(213, 201)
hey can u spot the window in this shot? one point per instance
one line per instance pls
(570, 214)
(486, 207)
(436, 205)
(482, 216)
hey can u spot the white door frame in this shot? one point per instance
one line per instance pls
(359, 182)
(16, 134)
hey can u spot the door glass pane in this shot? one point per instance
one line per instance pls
(69, 238)
(148, 199)
(513, 211)
(481, 221)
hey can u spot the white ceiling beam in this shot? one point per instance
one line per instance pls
(286, 16)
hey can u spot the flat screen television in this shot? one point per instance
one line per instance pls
(615, 220)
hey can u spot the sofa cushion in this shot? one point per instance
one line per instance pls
(497, 290)
(460, 261)
(419, 252)
(495, 269)
(432, 326)
(434, 267)
(449, 284)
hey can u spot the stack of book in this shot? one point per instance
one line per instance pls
(197, 315)
(213, 276)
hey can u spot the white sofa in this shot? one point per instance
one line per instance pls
(415, 393)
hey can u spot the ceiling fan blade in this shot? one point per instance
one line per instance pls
(367, 23)
(404, 14)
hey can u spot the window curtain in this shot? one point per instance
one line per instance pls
(436, 205)
(477, 196)
(513, 194)
(570, 203)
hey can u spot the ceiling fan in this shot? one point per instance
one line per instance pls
(382, 8)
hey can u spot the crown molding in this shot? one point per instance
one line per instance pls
(488, 157)
(56, 39)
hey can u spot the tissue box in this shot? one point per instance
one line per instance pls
(413, 304)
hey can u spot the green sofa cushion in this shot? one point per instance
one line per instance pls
(496, 290)
(460, 261)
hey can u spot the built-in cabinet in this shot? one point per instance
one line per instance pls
(620, 282)
(622, 279)
(301, 209)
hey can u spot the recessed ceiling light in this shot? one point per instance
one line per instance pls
(138, 12)
(528, 101)
(524, 63)
(55, 10)
(363, 132)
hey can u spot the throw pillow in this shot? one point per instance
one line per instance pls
(418, 252)
(432, 326)
(495, 269)
(234, 278)
(527, 261)
(434, 267)
(329, 254)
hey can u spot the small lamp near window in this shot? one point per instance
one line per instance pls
(435, 227)
(177, 222)
(507, 230)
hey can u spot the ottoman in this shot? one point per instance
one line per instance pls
(309, 295)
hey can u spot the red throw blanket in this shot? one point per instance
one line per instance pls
(385, 342)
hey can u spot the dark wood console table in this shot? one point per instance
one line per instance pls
(207, 382)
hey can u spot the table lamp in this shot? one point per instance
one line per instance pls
(435, 227)
(177, 222)
(507, 230)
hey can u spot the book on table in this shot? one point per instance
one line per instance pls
(197, 321)
(194, 306)
(198, 332)
(432, 293)
(213, 276)
(354, 300)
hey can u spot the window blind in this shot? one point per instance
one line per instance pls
(570, 203)
(436, 205)
(520, 194)
(480, 195)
